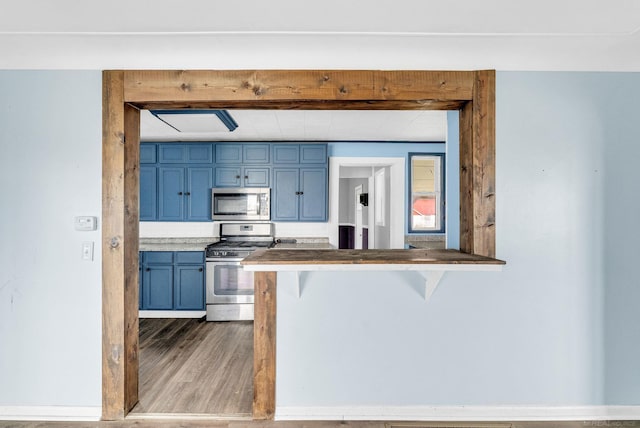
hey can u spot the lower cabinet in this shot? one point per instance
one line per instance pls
(172, 280)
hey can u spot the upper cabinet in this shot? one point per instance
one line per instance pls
(299, 184)
(185, 153)
(242, 154)
(299, 154)
(176, 178)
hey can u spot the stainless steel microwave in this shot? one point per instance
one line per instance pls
(241, 203)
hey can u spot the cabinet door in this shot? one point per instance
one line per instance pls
(255, 153)
(140, 306)
(313, 199)
(256, 177)
(198, 197)
(148, 153)
(229, 153)
(189, 287)
(313, 153)
(286, 153)
(199, 153)
(157, 287)
(148, 193)
(171, 153)
(171, 194)
(284, 200)
(228, 176)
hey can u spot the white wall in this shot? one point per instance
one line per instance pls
(50, 304)
(558, 327)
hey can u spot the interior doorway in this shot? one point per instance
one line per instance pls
(126, 92)
(382, 221)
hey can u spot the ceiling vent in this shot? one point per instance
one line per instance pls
(197, 121)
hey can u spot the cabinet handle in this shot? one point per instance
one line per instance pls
(179, 193)
(237, 176)
(148, 269)
(188, 193)
(246, 177)
(200, 270)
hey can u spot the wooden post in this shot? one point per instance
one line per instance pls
(264, 346)
(119, 250)
(477, 168)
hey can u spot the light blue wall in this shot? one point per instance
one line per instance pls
(559, 326)
(50, 171)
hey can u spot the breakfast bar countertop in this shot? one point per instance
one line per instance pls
(415, 259)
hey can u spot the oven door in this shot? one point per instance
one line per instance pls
(228, 282)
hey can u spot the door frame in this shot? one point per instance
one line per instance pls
(126, 92)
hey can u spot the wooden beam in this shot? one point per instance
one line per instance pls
(113, 255)
(307, 105)
(131, 245)
(296, 85)
(120, 178)
(264, 346)
(477, 168)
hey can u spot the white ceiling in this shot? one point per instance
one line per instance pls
(381, 34)
(312, 125)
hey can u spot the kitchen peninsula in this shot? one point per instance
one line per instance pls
(275, 267)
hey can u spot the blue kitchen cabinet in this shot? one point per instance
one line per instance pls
(148, 153)
(313, 153)
(148, 193)
(284, 194)
(198, 194)
(189, 287)
(184, 193)
(242, 153)
(255, 153)
(172, 280)
(299, 194)
(228, 153)
(285, 153)
(299, 153)
(313, 194)
(157, 287)
(238, 176)
(185, 153)
(171, 194)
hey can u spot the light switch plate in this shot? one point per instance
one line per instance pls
(87, 251)
(86, 223)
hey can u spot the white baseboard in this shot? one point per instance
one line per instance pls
(171, 314)
(460, 413)
(50, 413)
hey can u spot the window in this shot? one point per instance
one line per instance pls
(426, 213)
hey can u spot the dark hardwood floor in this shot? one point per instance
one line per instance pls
(195, 367)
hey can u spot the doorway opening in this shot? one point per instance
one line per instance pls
(126, 92)
(381, 224)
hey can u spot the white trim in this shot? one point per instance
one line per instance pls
(171, 314)
(50, 413)
(460, 413)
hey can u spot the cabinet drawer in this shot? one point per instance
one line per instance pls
(189, 257)
(158, 257)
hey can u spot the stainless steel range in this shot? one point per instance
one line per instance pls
(229, 286)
